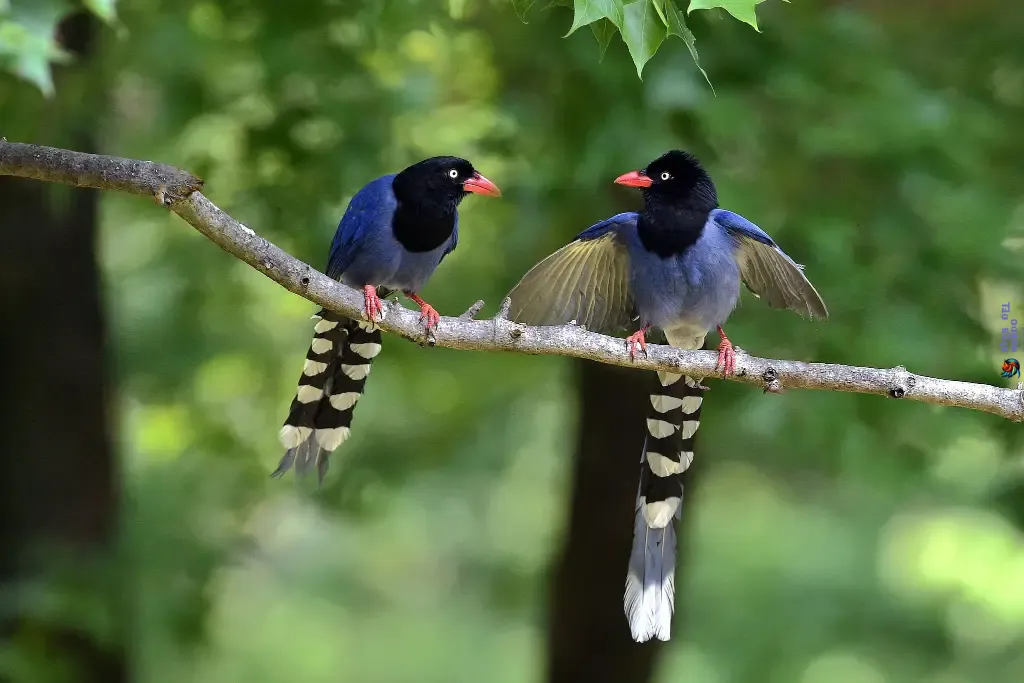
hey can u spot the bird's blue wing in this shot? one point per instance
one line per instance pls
(371, 209)
(767, 271)
(587, 281)
(616, 224)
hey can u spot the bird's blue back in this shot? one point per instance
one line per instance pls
(365, 251)
(371, 209)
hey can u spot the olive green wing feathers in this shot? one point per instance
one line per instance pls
(767, 271)
(586, 281)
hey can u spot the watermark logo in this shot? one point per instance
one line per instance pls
(1010, 343)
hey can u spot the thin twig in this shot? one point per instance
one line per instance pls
(179, 191)
(473, 310)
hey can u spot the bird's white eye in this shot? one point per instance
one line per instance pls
(665, 175)
(453, 173)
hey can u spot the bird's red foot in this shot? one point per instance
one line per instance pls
(427, 312)
(637, 341)
(726, 354)
(372, 307)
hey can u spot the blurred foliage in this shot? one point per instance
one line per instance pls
(28, 36)
(28, 42)
(838, 538)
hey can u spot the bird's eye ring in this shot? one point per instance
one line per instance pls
(665, 175)
(453, 173)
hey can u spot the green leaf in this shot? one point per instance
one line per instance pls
(661, 14)
(589, 11)
(104, 9)
(741, 9)
(28, 42)
(522, 7)
(604, 30)
(676, 23)
(642, 31)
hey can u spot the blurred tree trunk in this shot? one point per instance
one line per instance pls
(58, 482)
(589, 638)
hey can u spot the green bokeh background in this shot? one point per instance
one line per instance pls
(838, 538)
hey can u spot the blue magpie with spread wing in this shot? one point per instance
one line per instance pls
(676, 266)
(394, 233)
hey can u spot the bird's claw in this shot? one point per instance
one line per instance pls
(635, 341)
(428, 313)
(373, 309)
(726, 357)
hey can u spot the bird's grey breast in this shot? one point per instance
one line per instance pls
(415, 268)
(697, 288)
(383, 261)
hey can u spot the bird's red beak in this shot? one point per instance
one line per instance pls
(481, 185)
(634, 179)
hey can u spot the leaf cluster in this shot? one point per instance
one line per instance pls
(643, 24)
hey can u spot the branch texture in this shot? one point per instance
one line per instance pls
(179, 191)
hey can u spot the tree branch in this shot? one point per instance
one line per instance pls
(179, 191)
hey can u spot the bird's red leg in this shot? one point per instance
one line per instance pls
(372, 307)
(427, 312)
(636, 340)
(726, 354)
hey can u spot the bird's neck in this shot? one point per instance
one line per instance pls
(670, 230)
(423, 226)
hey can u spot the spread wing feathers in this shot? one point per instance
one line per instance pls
(767, 271)
(586, 281)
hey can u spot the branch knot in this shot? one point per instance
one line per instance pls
(902, 383)
(772, 385)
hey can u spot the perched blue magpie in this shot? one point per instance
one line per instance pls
(675, 266)
(393, 235)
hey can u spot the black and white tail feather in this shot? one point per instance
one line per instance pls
(332, 381)
(672, 422)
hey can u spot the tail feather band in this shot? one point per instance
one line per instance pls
(332, 381)
(672, 422)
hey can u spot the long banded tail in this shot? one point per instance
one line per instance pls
(332, 380)
(672, 421)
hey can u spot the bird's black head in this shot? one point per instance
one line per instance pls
(676, 179)
(678, 196)
(441, 182)
(428, 195)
